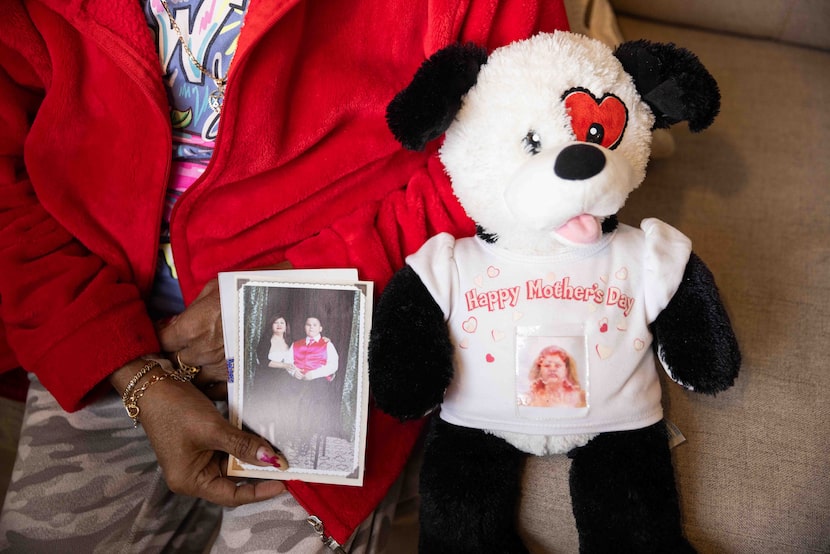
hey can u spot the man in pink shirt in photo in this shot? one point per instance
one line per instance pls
(313, 356)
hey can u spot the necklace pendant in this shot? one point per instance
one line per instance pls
(216, 99)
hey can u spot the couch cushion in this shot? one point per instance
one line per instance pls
(804, 22)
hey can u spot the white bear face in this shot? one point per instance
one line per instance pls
(549, 142)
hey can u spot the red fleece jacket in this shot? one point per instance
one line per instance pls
(304, 169)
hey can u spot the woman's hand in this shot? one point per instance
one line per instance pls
(295, 372)
(195, 338)
(191, 438)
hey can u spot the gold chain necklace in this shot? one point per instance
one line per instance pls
(217, 97)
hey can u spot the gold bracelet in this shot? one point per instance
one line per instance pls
(183, 374)
(131, 397)
(131, 404)
(148, 365)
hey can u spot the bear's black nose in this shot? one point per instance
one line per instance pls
(578, 162)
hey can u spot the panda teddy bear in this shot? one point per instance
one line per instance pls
(538, 335)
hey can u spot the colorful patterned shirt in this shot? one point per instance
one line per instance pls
(211, 28)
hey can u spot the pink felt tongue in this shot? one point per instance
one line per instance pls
(582, 229)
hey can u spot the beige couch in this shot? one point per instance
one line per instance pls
(753, 193)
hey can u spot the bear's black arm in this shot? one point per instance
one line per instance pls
(410, 353)
(693, 336)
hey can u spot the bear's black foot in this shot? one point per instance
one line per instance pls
(470, 484)
(624, 496)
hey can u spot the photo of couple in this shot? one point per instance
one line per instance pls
(301, 375)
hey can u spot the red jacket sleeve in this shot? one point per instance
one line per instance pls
(55, 294)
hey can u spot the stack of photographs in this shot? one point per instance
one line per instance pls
(296, 342)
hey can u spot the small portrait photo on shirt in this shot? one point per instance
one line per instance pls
(551, 373)
(300, 377)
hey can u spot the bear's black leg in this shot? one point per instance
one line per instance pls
(624, 495)
(470, 484)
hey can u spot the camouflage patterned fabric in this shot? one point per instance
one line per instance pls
(89, 482)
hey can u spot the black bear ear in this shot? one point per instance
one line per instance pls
(426, 107)
(673, 82)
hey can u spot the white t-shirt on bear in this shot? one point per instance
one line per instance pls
(594, 303)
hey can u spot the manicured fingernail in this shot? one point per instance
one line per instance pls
(274, 460)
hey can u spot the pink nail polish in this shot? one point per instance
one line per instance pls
(273, 460)
(266, 457)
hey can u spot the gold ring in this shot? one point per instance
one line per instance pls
(187, 371)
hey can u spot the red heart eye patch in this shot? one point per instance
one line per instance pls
(600, 121)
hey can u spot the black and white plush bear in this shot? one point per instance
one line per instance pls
(537, 335)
